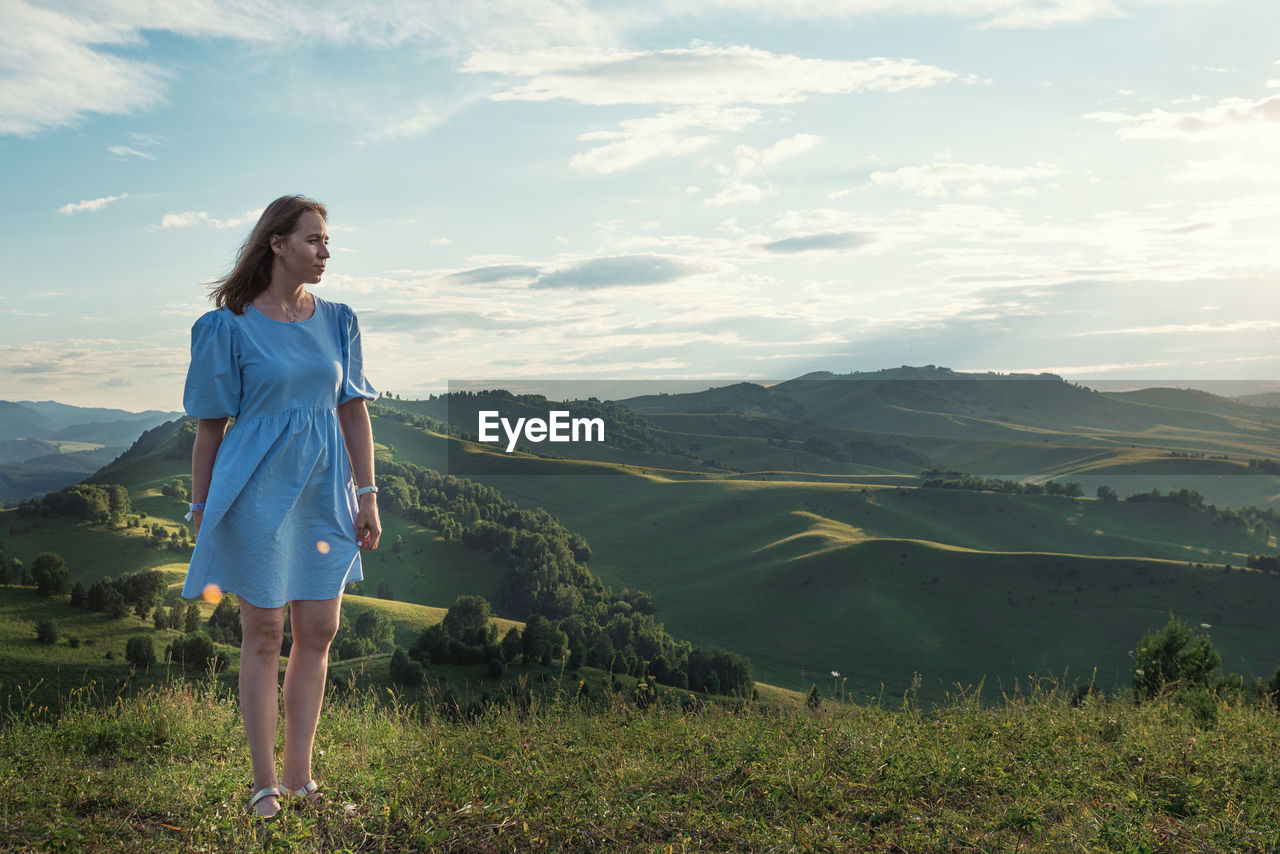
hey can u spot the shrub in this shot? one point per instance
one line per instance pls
(1174, 658)
(195, 651)
(51, 575)
(405, 672)
(140, 653)
(47, 632)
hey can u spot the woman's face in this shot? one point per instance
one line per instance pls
(305, 251)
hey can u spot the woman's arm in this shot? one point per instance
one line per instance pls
(357, 433)
(209, 433)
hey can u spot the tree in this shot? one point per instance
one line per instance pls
(376, 627)
(224, 622)
(47, 632)
(405, 672)
(468, 621)
(195, 651)
(113, 603)
(1172, 659)
(1106, 493)
(140, 653)
(191, 622)
(51, 575)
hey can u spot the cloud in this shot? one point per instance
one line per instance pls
(1189, 328)
(715, 89)
(749, 161)
(496, 273)
(1228, 119)
(193, 218)
(991, 14)
(56, 68)
(51, 75)
(936, 179)
(638, 140)
(1228, 167)
(90, 204)
(125, 151)
(703, 74)
(596, 273)
(831, 241)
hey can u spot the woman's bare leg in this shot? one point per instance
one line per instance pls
(314, 625)
(263, 630)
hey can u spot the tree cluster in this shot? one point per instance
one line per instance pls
(546, 576)
(1256, 520)
(137, 592)
(944, 479)
(104, 503)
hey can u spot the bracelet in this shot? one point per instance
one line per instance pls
(194, 507)
(364, 490)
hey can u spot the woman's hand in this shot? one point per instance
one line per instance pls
(197, 516)
(368, 525)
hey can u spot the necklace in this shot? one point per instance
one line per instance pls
(293, 315)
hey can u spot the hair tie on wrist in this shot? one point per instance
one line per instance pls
(194, 507)
(365, 490)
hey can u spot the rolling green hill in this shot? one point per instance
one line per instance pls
(810, 547)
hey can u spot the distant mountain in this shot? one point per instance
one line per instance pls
(935, 401)
(63, 415)
(22, 422)
(46, 445)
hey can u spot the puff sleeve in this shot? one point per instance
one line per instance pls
(213, 378)
(354, 383)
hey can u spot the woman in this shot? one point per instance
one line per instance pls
(278, 520)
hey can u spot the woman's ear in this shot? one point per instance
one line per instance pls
(277, 243)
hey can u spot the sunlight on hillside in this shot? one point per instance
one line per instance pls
(830, 535)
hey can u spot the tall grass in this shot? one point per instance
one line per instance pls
(168, 771)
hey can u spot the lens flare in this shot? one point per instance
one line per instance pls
(322, 547)
(212, 594)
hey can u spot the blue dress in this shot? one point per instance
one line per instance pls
(279, 521)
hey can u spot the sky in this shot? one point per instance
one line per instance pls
(721, 190)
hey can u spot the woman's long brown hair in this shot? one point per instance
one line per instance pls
(252, 272)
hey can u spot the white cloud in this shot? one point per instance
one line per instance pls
(1228, 119)
(126, 151)
(54, 71)
(702, 74)
(748, 161)
(663, 135)
(738, 192)
(90, 204)
(1188, 328)
(1231, 166)
(51, 75)
(936, 179)
(193, 218)
(993, 14)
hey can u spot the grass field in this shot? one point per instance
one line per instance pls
(169, 771)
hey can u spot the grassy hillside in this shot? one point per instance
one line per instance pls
(832, 564)
(169, 771)
(880, 583)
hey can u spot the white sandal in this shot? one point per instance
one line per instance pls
(261, 795)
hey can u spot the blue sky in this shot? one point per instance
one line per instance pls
(651, 190)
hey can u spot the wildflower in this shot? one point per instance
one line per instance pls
(835, 674)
